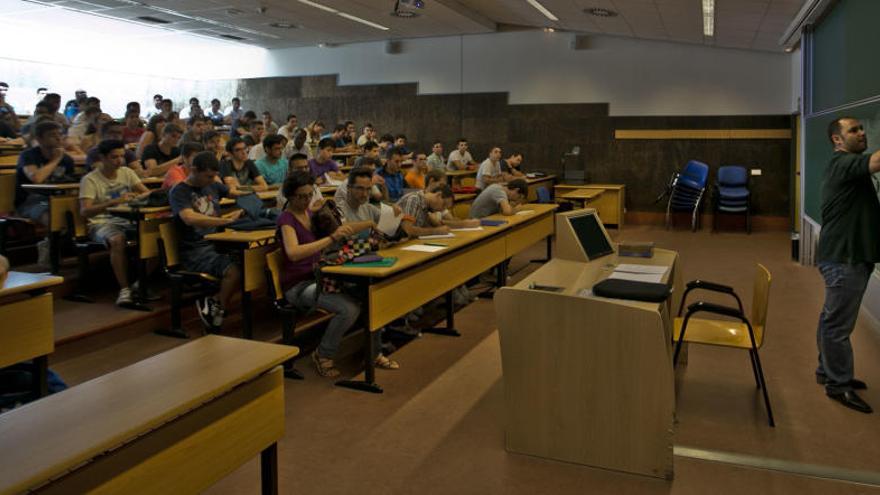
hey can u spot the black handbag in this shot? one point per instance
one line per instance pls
(630, 289)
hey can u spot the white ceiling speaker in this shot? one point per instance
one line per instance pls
(393, 47)
(580, 42)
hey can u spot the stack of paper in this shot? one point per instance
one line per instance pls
(639, 273)
(388, 223)
(423, 248)
(437, 236)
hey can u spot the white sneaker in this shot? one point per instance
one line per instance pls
(217, 315)
(124, 297)
(203, 307)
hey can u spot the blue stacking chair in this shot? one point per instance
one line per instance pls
(732, 194)
(688, 188)
(543, 195)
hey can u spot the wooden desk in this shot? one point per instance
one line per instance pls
(250, 248)
(611, 206)
(174, 423)
(28, 331)
(461, 207)
(62, 201)
(418, 277)
(582, 196)
(455, 177)
(588, 379)
(328, 191)
(536, 182)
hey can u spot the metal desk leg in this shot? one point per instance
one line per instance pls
(247, 314)
(41, 376)
(549, 252)
(55, 252)
(449, 329)
(368, 384)
(269, 470)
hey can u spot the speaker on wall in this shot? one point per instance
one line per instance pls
(580, 42)
(393, 47)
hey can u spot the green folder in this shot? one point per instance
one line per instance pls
(384, 262)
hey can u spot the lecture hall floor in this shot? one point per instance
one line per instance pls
(438, 426)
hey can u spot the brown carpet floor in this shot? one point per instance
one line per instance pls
(437, 428)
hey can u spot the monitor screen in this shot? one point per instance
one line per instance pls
(591, 236)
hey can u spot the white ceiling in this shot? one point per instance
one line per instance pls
(746, 24)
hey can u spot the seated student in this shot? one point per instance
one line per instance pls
(297, 163)
(435, 159)
(168, 111)
(315, 130)
(500, 198)
(254, 139)
(322, 165)
(297, 145)
(289, 129)
(180, 172)
(377, 192)
(215, 113)
(7, 130)
(195, 204)
(238, 170)
(270, 126)
(109, 185)
(371, 150)
(350, 136)
(195, 129)
(159, 157)
(112, 131)
(234, 112)
(273, 166)
(83, 122)
(133, 128)
(435, 180)
(415, 177)
(391, 174)
(418, 206)
(460, 158)
(337, 136)
(43, 163)
(92, 137)
(151, 136)
(212, 140)
(302, 249)
(510, 167)
(386, 142)
(400, 142)
(54, 101)
(356, 206)
(41, 109)
(368, 136)
(193, 110)
(240, 127)
(490, 170)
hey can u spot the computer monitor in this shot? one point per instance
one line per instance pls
(581, 236)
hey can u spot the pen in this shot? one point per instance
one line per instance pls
(436, 244)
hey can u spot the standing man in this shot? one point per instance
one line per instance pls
(848, 248)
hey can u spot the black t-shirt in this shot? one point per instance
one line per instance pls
(33, 156)
(850, 211)
(246, 176)
(155, 153)
(7, 131)
(205, 200)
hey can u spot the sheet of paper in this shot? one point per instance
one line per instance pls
(638, 277)
(437, 236)
(632, 268)
(331, 182)
(525, 212)
(424, 248)
(466, 229)
(388, 223)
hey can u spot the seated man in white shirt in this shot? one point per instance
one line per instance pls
(460, 158)
(289, 129)
(490, 170)
(368, 135)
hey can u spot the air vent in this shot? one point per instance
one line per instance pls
(600, 12)
(232, 37)
(283, 25)
(152, 20)
(404, 14)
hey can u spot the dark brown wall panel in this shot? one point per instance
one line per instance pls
(541, 132)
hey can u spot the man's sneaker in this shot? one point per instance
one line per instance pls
(217, 315)
(203, 306)
(124, 297)
(43, 253)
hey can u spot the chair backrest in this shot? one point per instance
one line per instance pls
(76, 223)
(732, 176)
(7, 193)
(468, 182)
(760, 300)
(274, 267)
(543, 194)
(168, 244)
(697, 172)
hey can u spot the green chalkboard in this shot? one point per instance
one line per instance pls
(818, 151)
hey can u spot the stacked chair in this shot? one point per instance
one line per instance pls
(686, 192)
(732, 194)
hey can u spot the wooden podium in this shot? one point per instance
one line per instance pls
(588, 379)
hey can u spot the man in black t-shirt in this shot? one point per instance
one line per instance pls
(849, 246)
(159, 157)
(195, 203)
(41, 164)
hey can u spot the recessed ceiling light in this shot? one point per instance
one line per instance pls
(789, 49)
(404, 14)
(549, 30)
(709, 18)
(283, 25)
(344, 14)
(537, 5)
(600, 12)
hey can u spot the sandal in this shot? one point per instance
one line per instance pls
(324, 366)
(385, 363)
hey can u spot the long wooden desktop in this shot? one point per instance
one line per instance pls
(588, 379)
(174, 423)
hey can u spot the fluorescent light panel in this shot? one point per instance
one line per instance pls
(549, 15)
(344, 14)
(709, 18)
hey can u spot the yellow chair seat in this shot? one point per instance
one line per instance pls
(719, 332)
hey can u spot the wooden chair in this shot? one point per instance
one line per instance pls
(22, 230)
(195, 284)
(747, 333)
(291, 318)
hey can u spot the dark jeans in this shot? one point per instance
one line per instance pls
(845, 285)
